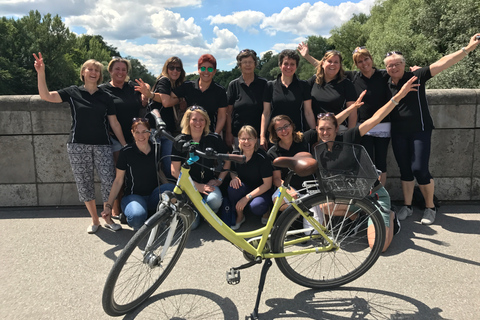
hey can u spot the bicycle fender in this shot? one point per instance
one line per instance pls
(160, 213)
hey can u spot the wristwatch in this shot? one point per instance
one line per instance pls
(249, 196)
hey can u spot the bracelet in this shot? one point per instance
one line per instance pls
(219, 179)
(153, 95)
(465, 51)
(108, 205)
(394, 102)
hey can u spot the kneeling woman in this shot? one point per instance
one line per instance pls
(195, 127)
(251, 186)
(137, 165)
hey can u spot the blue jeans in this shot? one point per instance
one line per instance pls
(135, 207)
(214, 201)
(258, 205)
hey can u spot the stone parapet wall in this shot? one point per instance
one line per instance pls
(35, 171)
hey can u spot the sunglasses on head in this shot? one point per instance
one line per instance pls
(209, 69)
(326, 114)
(193, 108)
(249, 51)
(388, 54)
(357, 49)
(171, 68)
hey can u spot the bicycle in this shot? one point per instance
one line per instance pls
(312, 253)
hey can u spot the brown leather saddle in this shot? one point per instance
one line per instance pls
(303, 164)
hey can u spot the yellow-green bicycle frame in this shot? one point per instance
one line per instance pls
(186, 185)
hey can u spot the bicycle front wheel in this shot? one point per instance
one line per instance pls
(347, 223)
(145, 262)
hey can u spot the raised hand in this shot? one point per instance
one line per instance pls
(39, 65)
(303, 49)
(143, 87)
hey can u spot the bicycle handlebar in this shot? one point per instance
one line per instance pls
(184, 146)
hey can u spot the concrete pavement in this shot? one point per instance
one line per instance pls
(52, 269)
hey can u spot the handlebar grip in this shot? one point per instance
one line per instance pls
(161, 126)
(238, 158)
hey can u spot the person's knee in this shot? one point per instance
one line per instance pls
(214, 199)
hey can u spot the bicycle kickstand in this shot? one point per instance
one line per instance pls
(261, 284)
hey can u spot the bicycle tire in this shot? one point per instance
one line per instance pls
(329, 269)
(132, 279)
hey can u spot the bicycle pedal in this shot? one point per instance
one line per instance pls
(233, 276)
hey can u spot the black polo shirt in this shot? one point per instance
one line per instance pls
(288, 101)
(255, 170)
(247, 103)
(412, 113)
(140, 170)
(211, 99)
(198, 172)
(89, 115)
(296, 147)
(164, 86)
(377, 94)
(127, 105)
(331, 96)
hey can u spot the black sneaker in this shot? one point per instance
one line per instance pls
(396, 225)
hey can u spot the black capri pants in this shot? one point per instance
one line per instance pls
(377, 148)
(412, 152)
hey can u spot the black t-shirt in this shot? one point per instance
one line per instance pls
(140, 170)
(89, 115)
(331, 96)
(377, 94)
(199, 173)
(164, 86)
(288, 101)
(412, 114)
(296, 147)
(247, 103)
(127, 105)
(211, 99)
(255, 170)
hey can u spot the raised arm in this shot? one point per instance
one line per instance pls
(388, 107)
(303, 50)
(451, 59)
(351, 107)
(50, 96)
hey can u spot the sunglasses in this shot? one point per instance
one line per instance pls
(334, 51)
(172, 68)
(357, 49)
(388, 54)
(326, 114)
(249, 51)
(145, 120)
(193, 108)
(285, 127)
(209, 69)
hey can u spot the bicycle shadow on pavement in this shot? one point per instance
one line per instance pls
(349, 303)
(185, 304)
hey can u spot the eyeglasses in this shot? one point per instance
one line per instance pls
(285, 127)
(357, 49)
(388, 54)
(171, 68)
(395, 65)
(209, 69)
(144, 120)
(326, 114)
(247, 63)
(193, 108)
(246, 139)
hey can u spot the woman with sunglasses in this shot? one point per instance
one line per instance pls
(412, 127)
(171, 108)
(206, 93)
(327, 132)
(245, 98)
(196, 128)
(250, 188)
(88, 145)
(287, 95)
(137, 168)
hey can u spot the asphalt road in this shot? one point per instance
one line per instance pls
(52, 269)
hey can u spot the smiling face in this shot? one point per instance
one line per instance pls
(119, 72)
(326, 130)
(246, 142)
(331, 66)
(174, 70)
(395, 65)
(91, 74)
(288, 67)
(141, 134)
(247, 65)
(206, 76)
(364, 64)
(197, 123)
(284, 129)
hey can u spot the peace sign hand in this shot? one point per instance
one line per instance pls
(39, 65)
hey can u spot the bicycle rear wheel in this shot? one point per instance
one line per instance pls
(142, 267)
(346, 223)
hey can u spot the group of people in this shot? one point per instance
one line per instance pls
(255, 117)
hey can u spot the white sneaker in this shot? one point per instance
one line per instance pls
(404, 212)
(429, 216)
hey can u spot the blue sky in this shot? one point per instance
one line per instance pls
(154, 30)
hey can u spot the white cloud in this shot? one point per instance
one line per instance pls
(243, 19)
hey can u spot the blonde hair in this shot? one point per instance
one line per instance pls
(321, 72)
(361, 52)
(97, 66)
(118, 59)
(249, 130)
(185, 124)
(297, 135)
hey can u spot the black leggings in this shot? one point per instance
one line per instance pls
(412, 152)
(377, 150)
